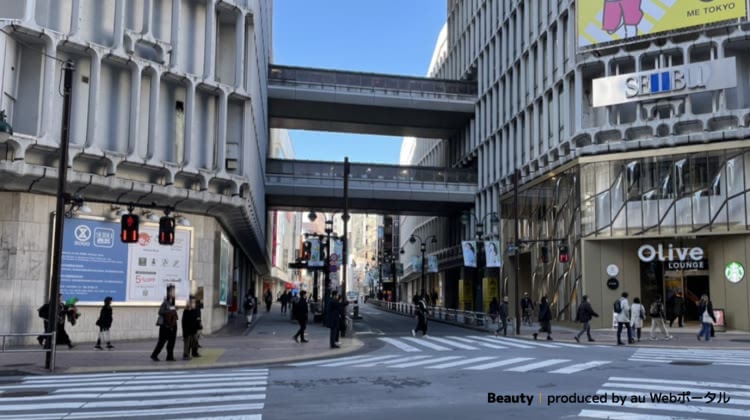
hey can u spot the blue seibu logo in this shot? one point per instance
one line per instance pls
(673, 80)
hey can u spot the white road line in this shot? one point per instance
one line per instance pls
(627, 393)
(127, 382)
(575, 346)
(425, 362)
(164, 387)
(32, 416)
(451, 343)
(615, 415)
(352, 362)
(580, 367)
(111, 395)
(424, 342)
(702, 409)
(208, 378)
(461, 362)
(144, 374)
(679, 382)
(399, 344)
(537, 365)
(478, 343)
(241, 417)
(500, 363)
(668, 388)
(385, 362)
(318, 362)
(505, 342)
(193, 401)
(172, 411)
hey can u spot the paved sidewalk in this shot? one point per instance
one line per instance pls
(267, 341)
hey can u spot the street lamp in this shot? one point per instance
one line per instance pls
(480, 235)
(422, 249)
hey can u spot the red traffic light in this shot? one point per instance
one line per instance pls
(564, 255)
(166, 230)
(129, 228)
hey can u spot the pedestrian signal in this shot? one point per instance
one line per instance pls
(129, 228)
(564, 256)
(166, 230)
(545, 254)
(306, 250)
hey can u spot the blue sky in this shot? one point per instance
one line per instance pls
(383, 36)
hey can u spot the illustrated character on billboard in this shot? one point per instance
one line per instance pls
(619, 13)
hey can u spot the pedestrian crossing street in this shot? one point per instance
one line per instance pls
(197, 394)
(737, 406)
(718, 357)
(472, 342)
(435, 362)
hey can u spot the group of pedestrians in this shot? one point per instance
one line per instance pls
(68, 312)
(167, 322)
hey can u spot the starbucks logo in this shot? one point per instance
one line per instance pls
(734, 272)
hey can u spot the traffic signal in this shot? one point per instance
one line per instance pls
(564, 256)
(306, 250)
(166, 230)
(129, 228)
(545, 254)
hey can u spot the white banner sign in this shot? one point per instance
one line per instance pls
(151, 267)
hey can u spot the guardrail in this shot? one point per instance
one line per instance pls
(448, 315)
(4, 345)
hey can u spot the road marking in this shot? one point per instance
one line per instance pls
(575, 346)
(500, 363)
(703, 409)
(478, 343)
(167, 386)
(352, 362)
(425, 362)
(614, 415)
(537, 365)
(668, 388)
(85, 381)
(680, 382)
(424, 342)
(184, 380)
(506, 342)
(451, 343)
(166, 411)
(317, 362)
(580, 367)
(461, 362)
(399, 344)
(385, 362)
(99, 395)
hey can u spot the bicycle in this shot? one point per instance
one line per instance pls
(527, 315)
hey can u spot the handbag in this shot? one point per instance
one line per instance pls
(159, 321)
(706, 317)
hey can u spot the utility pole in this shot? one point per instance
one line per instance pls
(345, 217)
(57, 247)
(423, 248)
(516, 301)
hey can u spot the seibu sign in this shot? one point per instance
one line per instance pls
(675, 258)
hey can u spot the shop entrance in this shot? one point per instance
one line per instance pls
(686, 288)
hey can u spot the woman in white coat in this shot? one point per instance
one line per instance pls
(637, 316)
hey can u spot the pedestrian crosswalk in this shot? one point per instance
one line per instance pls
(705, 399)
(463, 362)
(718, 357)
(472, 342)
(184, 394)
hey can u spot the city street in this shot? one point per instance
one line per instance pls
(447, 375)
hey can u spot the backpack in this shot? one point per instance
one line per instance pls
(654, 310)
(618, 306)
(43, 311)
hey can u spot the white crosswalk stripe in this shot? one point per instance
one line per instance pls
(651, 390)
(196, 394)
(719, 357)
(464, 362)
(472, 342)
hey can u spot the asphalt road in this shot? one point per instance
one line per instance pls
(447, 375)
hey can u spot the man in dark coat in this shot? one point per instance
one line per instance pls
(334, 319)
(167, 322)
(584, 315)
(300, 312)
(678, 310)
(502, 323)
(545, 319)
(190, 326)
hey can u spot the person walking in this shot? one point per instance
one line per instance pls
(656, 311)
(545, 319)
(421, 315)
(104, 323)
(678, 310)
(268, 298)
(637, 316)
(190, 326)
(622, 310)
(706, 313)
(334, 319)
(527, 308)
(299, 312)
(502, 323)
(494, 309)
(167, 323)
(584, 315)
(285, 298)
(250, 306)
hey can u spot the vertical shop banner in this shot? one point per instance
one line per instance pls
(338, 249)
(605, 21)
(223, 269)
(416, 263)
(94, 261)
(432, 264)
(399, 269)
(315, 260)
(469, 249)
(151, 267)
(492, 253)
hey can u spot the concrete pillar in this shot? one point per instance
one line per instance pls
(175, 37)
(135, 106)
(96, 71)
(210, 50)
(239, 72)
(221, 138)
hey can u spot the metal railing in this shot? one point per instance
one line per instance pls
(453, 316)
(322, 169)
(374, 81)
(22, 349)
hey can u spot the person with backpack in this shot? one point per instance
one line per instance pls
(104, 323)
(584, 315)
(545, 319)
(622, 316)
(421, 315)
(300, 312)
(656, 312)
(637, 316)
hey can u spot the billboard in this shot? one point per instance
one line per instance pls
(492, 253)
(96, 264)
(606, 21)
(469, 250)
(432, 264)
(224, 268)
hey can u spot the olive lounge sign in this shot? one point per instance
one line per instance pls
(674, 258)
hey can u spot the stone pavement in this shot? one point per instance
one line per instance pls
(268, 340)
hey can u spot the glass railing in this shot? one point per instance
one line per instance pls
(320, 169)
(286, 74)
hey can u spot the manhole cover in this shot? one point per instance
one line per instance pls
(22, 394)
(741, 340)
(689, 363)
